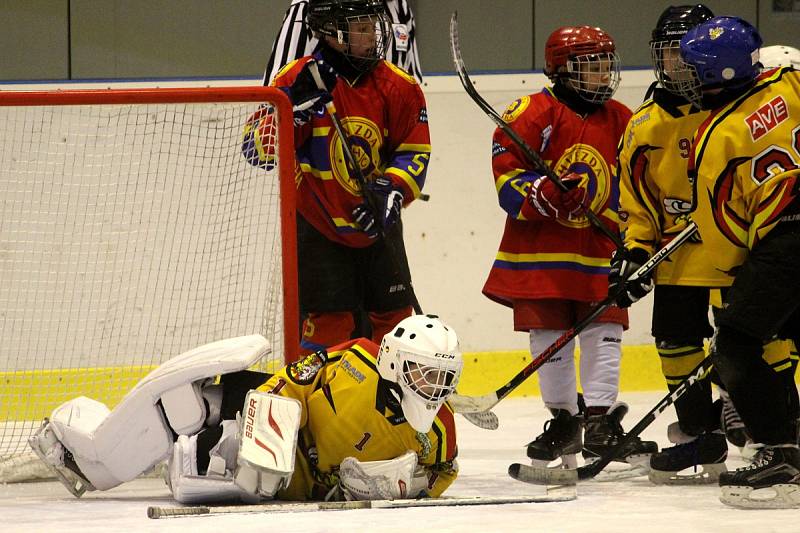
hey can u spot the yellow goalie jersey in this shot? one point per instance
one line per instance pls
(746, 162)
(347, 411)
(655, 192)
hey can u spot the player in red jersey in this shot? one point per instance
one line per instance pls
(552, 265)
(346, 271)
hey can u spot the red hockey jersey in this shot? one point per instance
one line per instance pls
(550, 258)
(384, 114)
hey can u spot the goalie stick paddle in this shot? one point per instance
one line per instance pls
(362, 184)
(295, 507)
(478, 404)
(534, 157)
(558, 476)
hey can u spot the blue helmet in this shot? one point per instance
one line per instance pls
(723, 52)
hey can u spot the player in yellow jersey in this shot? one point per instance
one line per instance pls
(356, 422)
(655, 201)
(745, 164)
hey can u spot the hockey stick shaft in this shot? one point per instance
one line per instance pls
(293, 507)
(369, 197)
(464, 404)
(529, 152)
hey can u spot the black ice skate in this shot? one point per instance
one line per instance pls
(561, 439)
(706, 452)
(603, 432)
(771, 482)
(732, 424)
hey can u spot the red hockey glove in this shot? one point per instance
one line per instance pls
(550, 201)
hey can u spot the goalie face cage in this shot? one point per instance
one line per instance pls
(133, 229)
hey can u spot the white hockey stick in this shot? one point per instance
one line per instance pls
(295, 507)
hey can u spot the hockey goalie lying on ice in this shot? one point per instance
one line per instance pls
(356, 422)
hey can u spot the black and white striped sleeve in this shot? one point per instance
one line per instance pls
(293, 41)
(404, 55)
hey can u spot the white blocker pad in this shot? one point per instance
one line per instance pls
(397, 478)
(111, 448)
(267, 443)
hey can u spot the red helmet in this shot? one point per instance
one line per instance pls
(571, 41)
(572, 49)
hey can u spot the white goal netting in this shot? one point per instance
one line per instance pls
(131, 230)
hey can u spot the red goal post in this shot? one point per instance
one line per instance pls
(132, 228)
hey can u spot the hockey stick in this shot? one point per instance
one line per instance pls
(478, 404)
(548, 476)
(532, 155)
(295, 507)
(362, 184)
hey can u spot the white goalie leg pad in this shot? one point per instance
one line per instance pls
(111, 448)
(268, 441)
(217, 485)
(392, 479)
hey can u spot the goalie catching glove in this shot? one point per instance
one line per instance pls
(547, 200)
(624, 263)
(398, 478)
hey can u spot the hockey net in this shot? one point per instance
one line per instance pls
(131, 230)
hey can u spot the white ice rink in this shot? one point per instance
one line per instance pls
(618, 506)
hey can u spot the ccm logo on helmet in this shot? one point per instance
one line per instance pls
(445, 355)
(767, 117)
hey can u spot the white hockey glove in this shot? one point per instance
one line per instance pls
(397, 478)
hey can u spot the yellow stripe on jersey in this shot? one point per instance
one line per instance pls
(553, 257)
(410, 147)
(407, 179)
(501, 180)
(321, 174)
(400, 72)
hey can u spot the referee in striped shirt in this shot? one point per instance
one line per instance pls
(295, 41)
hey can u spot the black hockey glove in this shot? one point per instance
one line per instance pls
(308, 99)
(389, 200)
(365, 218)
(623, 264)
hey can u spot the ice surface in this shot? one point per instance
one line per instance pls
(484, 456)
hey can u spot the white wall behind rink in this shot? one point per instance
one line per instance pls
(453, 238)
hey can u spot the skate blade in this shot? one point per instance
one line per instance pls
(785, 496)
(565, 461)
(39, 443)
(636, 466)
(709, 474)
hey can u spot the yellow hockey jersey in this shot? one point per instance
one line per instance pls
(347, 412)
(745, 163)
(655, 192)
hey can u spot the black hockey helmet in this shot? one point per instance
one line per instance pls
(675, 21)
(671, 72)
(334, 18)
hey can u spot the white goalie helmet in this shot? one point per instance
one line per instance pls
(421, 354)
(779, 56)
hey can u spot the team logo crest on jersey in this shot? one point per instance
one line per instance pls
(400, 37)
(767, 117)
(585, 160)
(305, 370)
(365, 143)
(515, 109)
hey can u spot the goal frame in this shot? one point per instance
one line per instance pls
(191, 95)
